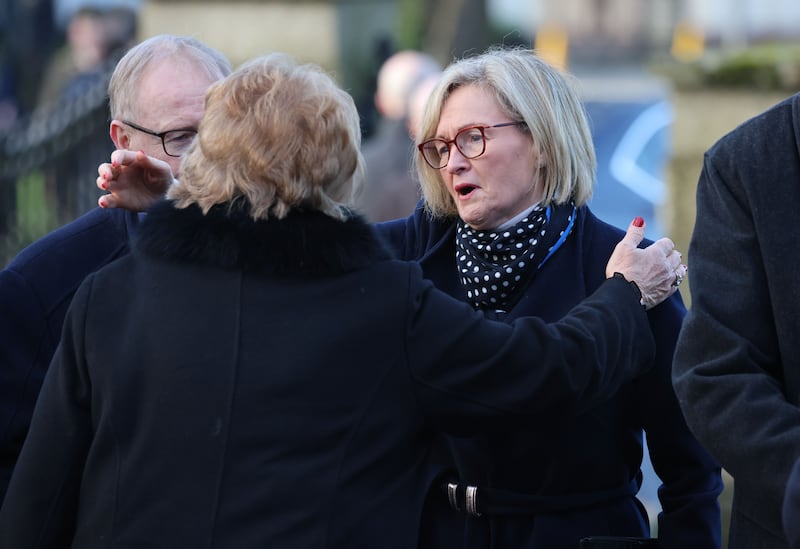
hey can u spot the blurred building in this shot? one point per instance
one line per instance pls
(344, 36)
(629, 30)
(740, 22)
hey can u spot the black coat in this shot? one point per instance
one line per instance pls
(275, 384)
(577, 475)
(737, 364)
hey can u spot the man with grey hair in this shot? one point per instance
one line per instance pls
(156, 99)
(389, 190)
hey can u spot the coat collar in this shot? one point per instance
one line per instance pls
(303, 243)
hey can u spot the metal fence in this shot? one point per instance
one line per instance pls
(48, 165)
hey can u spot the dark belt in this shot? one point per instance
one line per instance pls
(478, 501)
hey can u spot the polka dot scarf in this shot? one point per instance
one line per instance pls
(496, 266)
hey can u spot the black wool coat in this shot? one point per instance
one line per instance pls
(247, 384)
(737, 363)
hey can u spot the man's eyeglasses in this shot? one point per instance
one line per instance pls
(470, 142)
(175, 142)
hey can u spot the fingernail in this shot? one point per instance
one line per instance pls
(638, 221)
(104, 185)
(101, 203)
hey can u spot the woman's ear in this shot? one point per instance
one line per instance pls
(541, 159)
(538, 153)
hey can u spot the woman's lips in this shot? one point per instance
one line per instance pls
(464, 189)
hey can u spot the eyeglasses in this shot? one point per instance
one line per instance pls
(175, 142)
(470, 142)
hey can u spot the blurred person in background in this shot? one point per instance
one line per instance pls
(737, 363)
(96, 39)
(29, 36)
(512, 168)
(260, 372)
(156, 101)
(507, 166)
(417, 100)
(391, 191)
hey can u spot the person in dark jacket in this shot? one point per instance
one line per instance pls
(506, 165)
(390, 190)
(260, 372)
(158, 85)
(736, 368)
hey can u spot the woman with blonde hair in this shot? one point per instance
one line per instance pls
(507, 166)
(259, 372)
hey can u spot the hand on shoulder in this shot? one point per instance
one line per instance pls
(657, 270)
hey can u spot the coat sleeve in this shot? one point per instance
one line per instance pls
(25, 347)
(727, 371)
(473, 374)
(691, 479)
(42, 500)
(412, 238)
(35, 291)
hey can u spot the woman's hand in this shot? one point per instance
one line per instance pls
(133, 180)
(657, 270)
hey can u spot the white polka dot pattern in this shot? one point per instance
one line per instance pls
(492, 263)
(495, 267)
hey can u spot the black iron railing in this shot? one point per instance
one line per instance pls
(48, 166)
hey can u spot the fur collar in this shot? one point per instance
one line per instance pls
(303, 243)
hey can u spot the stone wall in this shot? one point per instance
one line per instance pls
(701, 118)
(340, 36)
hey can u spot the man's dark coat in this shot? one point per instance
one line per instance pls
(737, 364)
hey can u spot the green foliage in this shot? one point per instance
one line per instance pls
(411, 23)
(764, 67)
(35, 216)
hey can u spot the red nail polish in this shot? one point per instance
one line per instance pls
(638, 221)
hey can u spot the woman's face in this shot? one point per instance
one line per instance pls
(503, 181)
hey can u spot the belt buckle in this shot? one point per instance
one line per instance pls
(452, 495)
(470, 498)
(472, 501)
